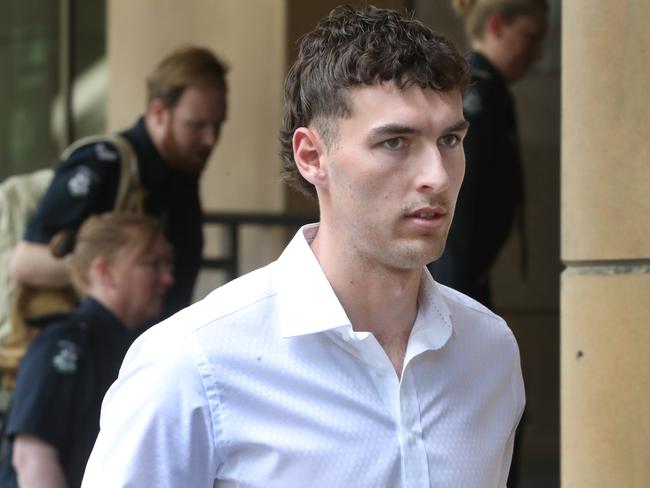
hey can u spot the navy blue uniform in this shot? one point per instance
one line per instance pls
(61, 383)
(86, 183)
(491, 195)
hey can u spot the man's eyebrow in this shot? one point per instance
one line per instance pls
(458, 126)
(392, 129)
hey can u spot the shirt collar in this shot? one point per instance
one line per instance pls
(104, 323)
(482, 67)
(154, 170)
(307, 303)
(433, 326)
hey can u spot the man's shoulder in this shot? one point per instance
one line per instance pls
(86, 166)
(482, 97)
(242, 296)
(231, 314)
(478, 329)
(102, 150)
(237, 302)
(137, 136)
(486, 94)
(465, 310)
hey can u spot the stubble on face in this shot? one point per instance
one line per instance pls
(192, 128)
(385, 239)
(373, 192)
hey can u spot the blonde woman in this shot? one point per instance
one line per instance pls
(121, 265)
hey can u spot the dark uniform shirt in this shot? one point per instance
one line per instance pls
(61, 383)
(492, 191)
(86, 183)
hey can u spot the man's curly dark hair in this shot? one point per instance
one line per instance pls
(351, 48)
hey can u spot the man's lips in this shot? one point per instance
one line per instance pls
(427, 213)
(428, 217)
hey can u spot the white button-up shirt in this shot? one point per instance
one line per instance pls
(265, 384)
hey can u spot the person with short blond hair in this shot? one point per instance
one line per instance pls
(122, 266)
(506, 39)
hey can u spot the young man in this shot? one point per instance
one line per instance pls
(122, 265)
(342, 363)
(172, 142)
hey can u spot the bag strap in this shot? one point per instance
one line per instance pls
(130, 195)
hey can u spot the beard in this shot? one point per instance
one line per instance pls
(191, 160)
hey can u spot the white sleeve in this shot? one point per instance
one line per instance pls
(519, 402)
(156, 423)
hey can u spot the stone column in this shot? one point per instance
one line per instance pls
(605, 297)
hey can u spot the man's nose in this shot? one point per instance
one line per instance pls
(166, 276)
(433, 175)
(210, 135)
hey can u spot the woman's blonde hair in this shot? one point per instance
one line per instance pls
(102, 236)
(476, 12)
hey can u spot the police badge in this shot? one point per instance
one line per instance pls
(65, 361)
(79, 184)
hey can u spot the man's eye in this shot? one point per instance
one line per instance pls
(394, 143)
(450, 140)
(195, 126)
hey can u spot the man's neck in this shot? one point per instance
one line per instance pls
(491, 53)
(154, 136)
(376, 298)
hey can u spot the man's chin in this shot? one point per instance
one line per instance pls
(431, 251)
(434, 256)
(199, 163)
(417, 260)
(193, 168)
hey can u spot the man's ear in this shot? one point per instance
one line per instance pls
(308, 153)
(494, 24)
(157, 109)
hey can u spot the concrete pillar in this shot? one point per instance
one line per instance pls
(605, 297)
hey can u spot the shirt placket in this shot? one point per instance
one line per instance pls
(415, 467)
(400, 397)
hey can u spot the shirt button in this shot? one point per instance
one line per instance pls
(411, 438)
